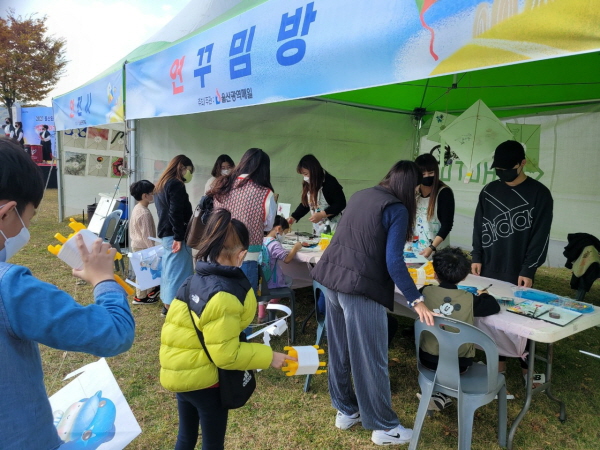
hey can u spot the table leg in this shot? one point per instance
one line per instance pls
(528, 395)
(550, 355)
(545, 388)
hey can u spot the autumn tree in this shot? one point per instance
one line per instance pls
(31, 63)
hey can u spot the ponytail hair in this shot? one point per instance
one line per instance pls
(223, 236)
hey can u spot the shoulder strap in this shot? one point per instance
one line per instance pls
(198, 332)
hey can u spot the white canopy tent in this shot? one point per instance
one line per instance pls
(358, 141)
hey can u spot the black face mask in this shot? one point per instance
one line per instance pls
(428, 181)
(6, 122)
(507, 175)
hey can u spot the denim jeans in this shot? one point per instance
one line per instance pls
(201, 407)
(176, 268)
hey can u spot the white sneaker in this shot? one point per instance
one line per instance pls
(343, 422)
(395, 436)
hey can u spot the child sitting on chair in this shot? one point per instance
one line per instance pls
(272, 246)
(451, 267)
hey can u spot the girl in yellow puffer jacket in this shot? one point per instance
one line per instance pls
(222, 304)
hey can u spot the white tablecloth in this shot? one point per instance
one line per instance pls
(510, 331)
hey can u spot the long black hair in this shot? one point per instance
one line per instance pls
(174, 170)
(428, 163)
(256, 163)
(402, 180)
(311, 189)
(216, 170)
(223, 236)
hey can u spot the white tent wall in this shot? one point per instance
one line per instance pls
(569, 158)
(83, 176)
(357, 146)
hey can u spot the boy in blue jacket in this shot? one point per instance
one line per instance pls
(33, 312)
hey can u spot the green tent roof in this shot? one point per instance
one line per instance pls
(517, 89)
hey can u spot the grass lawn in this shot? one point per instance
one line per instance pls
(281, 416)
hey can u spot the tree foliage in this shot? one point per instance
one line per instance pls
(31, 63)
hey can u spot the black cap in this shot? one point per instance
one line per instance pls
(508, 155)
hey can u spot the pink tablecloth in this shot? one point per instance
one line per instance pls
(510, 331)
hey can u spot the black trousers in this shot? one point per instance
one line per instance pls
(202, 407)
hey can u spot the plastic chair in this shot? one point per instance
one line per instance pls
(476, 387)
(321, 324)
(114, 216)
(119, 236)
(267, 294)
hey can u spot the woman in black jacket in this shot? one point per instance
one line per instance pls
(322, 196)
(174, 212)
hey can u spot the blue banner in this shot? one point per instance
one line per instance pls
(33, 120)
(289, 49)
(97, 103)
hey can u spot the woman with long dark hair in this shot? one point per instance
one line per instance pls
(223, 167)
(224, 304)
(435, 209)
(174, 211)
(359, 268)
(248, 194)
(322, 196)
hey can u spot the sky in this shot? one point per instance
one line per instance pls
(97, 32)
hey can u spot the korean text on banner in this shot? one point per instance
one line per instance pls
(97, 103)
(289, 49)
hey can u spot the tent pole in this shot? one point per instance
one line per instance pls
(538, 105)
(59, 177)
(359, 105)
(132, 165)
(417, 144)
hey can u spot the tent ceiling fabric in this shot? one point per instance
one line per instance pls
(573, 79)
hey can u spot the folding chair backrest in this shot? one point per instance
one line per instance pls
(451, 334)
(114, 216)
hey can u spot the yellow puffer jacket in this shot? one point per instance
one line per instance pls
(184, 364)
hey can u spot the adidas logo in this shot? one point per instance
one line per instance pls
(247, 378)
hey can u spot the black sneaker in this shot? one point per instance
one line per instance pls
(164, 311)
(154, 293)
(438, 401)
(144, 301)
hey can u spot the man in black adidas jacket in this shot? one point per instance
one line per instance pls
(511, 229)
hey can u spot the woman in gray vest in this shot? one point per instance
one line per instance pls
(359, 269)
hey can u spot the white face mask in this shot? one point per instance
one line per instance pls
(225, 172)
(306, 179)
(279, 237)
(13, 244)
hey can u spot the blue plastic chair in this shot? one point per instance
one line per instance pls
(114, 216)
(476, 387)
(117, 233)
(267, 294)
(321, 325)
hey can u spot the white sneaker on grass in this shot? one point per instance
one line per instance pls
(395, 436)
(343, 422)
